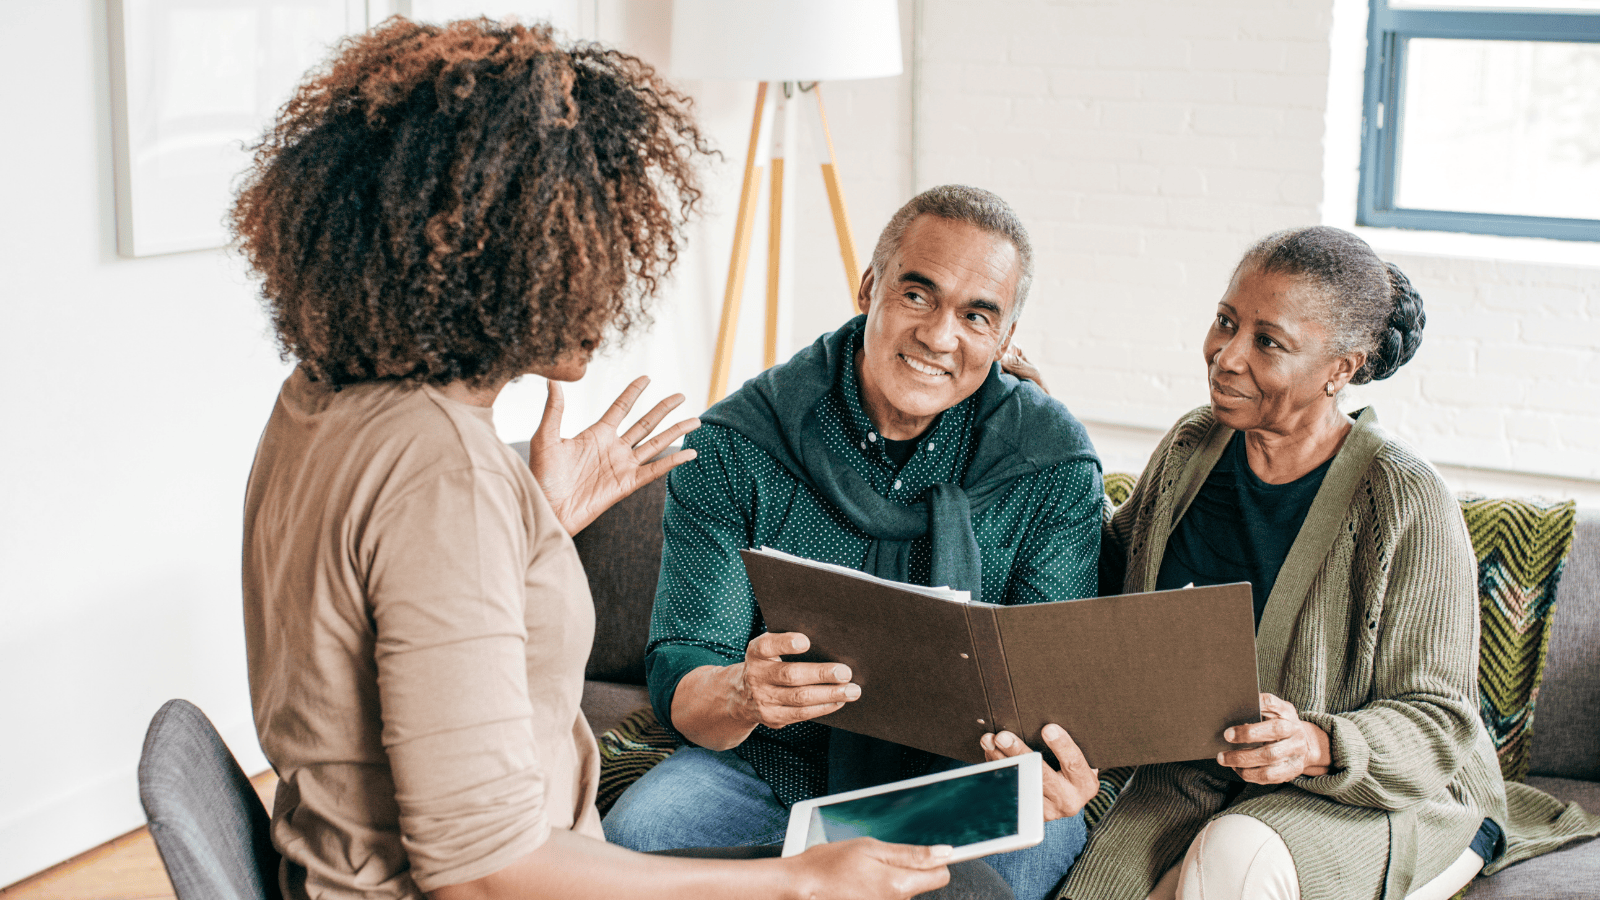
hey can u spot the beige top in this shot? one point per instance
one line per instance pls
(417, 623)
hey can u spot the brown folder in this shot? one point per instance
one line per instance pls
(1136, 678)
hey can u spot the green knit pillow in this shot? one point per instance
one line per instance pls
(628, 751)
(1119, 486)
(1522, 548)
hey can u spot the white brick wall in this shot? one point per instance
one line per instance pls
(1508, 376)
(1147, 143)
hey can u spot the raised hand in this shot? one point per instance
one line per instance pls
(1066, 790)
(1283, 747)
(584, 475)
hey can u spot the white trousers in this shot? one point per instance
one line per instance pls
(1238, 857)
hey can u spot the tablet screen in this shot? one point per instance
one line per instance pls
(956, 811)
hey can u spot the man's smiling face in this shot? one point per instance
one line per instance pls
(937, 316)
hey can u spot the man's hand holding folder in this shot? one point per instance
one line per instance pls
(1066, 791)
(726, 703)
(775, 693)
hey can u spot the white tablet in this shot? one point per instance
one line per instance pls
(992, 807)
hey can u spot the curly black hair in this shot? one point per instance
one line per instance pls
(465, 202)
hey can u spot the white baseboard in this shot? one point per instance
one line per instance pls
(104, 808)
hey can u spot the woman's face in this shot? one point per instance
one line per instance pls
(1267, 359)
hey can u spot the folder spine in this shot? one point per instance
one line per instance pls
(984, 625)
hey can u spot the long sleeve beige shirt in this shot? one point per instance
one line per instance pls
(417, 623)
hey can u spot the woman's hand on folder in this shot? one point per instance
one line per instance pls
(1279, 748)
(717, 707)
(1067, 790)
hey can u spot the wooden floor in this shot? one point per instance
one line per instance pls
(126, 868)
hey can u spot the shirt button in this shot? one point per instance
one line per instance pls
(930, 446)
(871, 436)
(897, 484)
(863, 445)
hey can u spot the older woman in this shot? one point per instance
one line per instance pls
(1371, 774)
(437, 212)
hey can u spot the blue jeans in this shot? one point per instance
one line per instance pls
(701, 798)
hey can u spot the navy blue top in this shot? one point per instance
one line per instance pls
(899, 452)
(1239, 528)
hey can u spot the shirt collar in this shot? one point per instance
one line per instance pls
(951, 429)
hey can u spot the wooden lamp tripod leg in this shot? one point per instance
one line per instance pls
(841, 216)
(780, 138)
(723, 360)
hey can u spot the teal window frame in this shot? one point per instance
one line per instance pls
(1383, 112)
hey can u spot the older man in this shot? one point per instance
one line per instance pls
(894, 445)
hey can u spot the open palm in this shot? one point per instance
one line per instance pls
(583, 476)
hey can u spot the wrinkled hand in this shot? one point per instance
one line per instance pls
(774, 693)
(1284, 746)
(1015, 362)
(1066, 791)
(584, 475)
(869, 869)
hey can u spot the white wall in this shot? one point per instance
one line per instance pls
(134, 392)
(1147, 143)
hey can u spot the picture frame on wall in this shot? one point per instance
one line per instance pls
(195, 83)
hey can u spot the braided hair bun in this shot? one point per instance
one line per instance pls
(1402, 333)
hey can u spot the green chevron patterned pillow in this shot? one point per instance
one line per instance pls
(1522, 548)
(628, 751)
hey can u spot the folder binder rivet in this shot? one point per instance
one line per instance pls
(982, 722)
(966, 656)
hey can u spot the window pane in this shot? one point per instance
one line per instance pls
(1515, 5)
(1507, 127)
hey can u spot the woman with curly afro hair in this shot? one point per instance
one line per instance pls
(437, 211)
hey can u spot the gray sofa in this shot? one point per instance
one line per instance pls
(622, 554)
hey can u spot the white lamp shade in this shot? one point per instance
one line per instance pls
(785, 40)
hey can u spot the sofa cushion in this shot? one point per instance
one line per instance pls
(1566, 731)
(606, 703)
(621, 552)
(1570, 873)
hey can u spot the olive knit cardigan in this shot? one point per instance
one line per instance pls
(1372, 633)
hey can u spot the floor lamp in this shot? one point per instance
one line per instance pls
(790, 47)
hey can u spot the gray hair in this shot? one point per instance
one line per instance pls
(961, 203)
(1367, 305)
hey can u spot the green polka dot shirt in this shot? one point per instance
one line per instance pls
(1039, 542)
